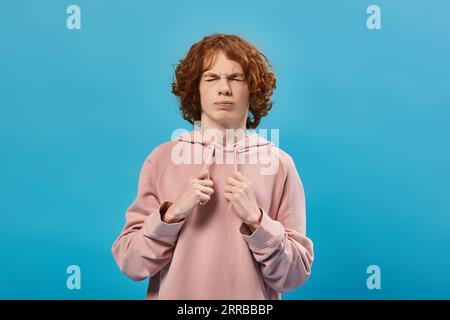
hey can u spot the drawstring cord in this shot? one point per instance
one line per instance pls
(235, 166)
(211, 155)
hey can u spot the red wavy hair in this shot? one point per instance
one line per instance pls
(261, 81)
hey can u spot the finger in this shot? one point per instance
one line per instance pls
(229, 188)
(240, 177)
(203, 198)
(236, 184)
(236, 175)
(228, 197)
(205, 182)
(233, 181)
(204, 189)
(203, 174)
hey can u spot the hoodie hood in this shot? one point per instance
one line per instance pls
(249, 144)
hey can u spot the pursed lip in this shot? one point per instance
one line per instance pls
(224, 103)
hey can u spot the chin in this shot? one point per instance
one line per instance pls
(222, 117)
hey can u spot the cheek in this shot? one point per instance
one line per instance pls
(204, 97)
(201, 90)
(243, 94)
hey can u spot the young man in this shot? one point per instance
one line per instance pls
(224, 227)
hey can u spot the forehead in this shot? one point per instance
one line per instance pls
(220, 63)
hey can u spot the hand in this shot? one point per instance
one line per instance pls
(197, 190)
(239, 191)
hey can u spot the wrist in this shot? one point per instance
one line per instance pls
(167, 218)
(254, 223)
(169, 215)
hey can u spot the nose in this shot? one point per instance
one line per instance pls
(224, 88)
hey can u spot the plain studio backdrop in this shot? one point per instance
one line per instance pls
(363, 112)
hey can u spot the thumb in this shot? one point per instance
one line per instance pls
(203, 174)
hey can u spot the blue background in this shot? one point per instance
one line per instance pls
(364, 113)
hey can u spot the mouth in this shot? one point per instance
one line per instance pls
(224, 104)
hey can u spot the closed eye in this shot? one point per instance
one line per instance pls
(235, 79)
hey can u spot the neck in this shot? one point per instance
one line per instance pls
(220, 131)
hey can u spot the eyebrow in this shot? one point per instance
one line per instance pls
(235, 74)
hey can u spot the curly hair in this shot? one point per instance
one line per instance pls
(261, 81)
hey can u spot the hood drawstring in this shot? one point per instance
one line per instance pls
(235, 165)
(235, 158)
(247, 144)
(212, 154)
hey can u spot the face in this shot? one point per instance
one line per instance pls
(224, 94)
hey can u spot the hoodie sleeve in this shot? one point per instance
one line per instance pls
(280, 246)
(146, 243)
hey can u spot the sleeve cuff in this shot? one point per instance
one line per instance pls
(268, 231)
(154, 226)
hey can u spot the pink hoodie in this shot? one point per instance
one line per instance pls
(211, 254)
